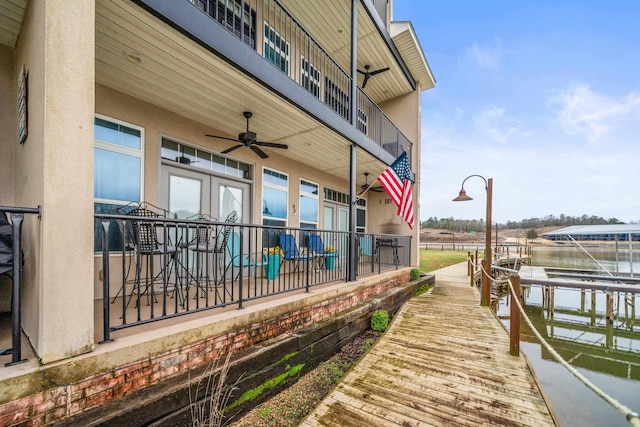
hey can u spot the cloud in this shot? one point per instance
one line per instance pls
(581, 111)
(488, 57)
(492, 122)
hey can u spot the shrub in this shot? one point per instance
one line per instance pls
(415, 274)
(380, 320)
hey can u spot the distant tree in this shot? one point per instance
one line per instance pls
(532, 234)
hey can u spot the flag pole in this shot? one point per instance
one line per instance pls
(359, 196)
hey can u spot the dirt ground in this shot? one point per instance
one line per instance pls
(436, 235)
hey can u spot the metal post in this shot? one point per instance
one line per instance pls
(352, 262)
(514, 317)
(486, 283)
(240, 274)
(630, 255)
(106, 314)
(16, 305)
(352, 254)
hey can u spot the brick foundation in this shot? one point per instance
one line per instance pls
(55, 403)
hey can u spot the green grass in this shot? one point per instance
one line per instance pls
(431, 260)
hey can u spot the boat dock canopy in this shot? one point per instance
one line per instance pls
(596, 232)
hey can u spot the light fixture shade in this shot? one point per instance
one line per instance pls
(462, 197)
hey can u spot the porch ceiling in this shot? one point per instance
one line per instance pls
(11, 17)
(181, 76)
(333, 32)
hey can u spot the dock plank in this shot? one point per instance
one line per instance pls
(444, 361)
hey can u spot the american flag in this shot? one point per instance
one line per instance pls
(397, 183)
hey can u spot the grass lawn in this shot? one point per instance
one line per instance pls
(431, 259)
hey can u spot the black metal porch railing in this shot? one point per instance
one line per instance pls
(290, 48)
(11, 264)
(201, 265)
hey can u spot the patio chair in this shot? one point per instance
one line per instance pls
(291, 252)
(316, 248)
(203, 243)
(238, 260)
(143, 238)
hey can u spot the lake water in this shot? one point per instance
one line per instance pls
(608, 356)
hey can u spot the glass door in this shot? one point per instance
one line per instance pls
(229, 196)
(185, 193)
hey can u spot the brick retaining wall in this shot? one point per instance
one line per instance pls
(54, 403)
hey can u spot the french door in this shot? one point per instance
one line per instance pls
(186, 194)
(336, 218)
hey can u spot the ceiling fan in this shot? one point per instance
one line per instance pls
(250, 139)
(368, 74)
(366, 184)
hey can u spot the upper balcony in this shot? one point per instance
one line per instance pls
(232, 56)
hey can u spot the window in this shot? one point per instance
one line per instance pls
(343, 198)
(276, 48)
(118, 169)
(361, 216)
(197, 158)
(336, 98)
(308, 205)
(275, 191)
(227, 13)
(363, 121)
(309, 77)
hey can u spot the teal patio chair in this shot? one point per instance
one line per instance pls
(238, 260)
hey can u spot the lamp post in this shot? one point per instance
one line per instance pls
(486, 262)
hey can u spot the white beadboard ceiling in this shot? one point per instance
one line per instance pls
(179, 75)
(11, 17)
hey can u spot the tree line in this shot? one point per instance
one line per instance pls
(470, 225)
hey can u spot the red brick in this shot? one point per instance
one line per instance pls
(107, 383)
(36, 421)
(14, 417)
(43, 407)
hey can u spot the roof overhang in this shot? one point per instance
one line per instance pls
(579, 230)
(12, 13)
(407, 43)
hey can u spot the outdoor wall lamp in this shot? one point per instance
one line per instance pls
(486, 262)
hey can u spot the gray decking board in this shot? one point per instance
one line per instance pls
(444, 361)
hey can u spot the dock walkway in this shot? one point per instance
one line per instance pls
(444, 361)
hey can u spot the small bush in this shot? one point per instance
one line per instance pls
(415, 274)
(380, 320)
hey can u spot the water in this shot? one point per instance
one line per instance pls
(572, 257)
(608, 356)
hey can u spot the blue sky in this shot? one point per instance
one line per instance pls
(542, 96)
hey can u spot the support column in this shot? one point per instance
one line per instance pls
(352, 264)
(55, 170)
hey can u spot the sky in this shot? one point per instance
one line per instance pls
(542, 96)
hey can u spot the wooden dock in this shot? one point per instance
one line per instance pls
(444, 361)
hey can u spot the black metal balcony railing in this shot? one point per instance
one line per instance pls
(290, 48)
(11, 264)
(191, 266)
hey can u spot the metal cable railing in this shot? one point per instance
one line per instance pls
(632, 417)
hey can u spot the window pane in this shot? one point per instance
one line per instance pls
(115, 232)
(116, 134)
(274, 203)
(116, 176)
(184, 196)
(308, 187)
(308, 209)
(230, 200)
(169, 150)
(204, 160)
(361, 216)
(275, 178)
